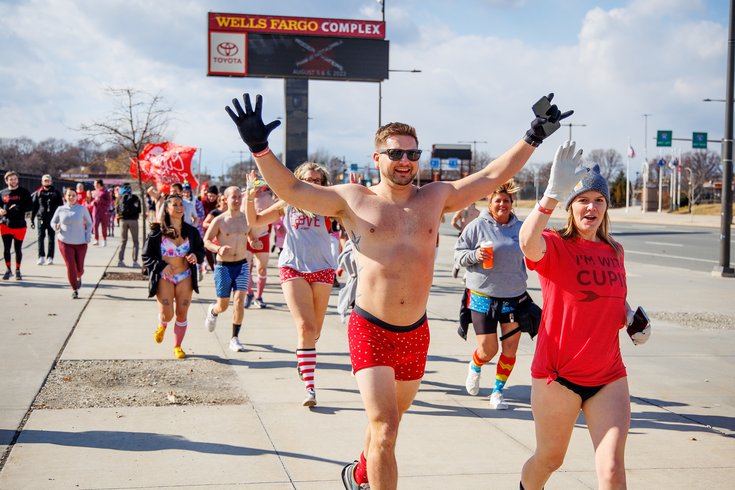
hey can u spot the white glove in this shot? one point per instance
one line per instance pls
(642, 336)
(565, 171)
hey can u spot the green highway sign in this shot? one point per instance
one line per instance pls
(663, 138)
(699, 140)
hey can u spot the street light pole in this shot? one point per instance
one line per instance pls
(570, 128)
(380, 94)
(474, 153)
(724, 268)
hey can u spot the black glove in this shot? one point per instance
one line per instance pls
(546, 122)
(250, 123)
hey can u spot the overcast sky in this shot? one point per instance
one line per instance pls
(483, 63)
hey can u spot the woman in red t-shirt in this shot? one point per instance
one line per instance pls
(577, 363)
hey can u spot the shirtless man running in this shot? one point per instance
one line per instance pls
(393, 226)
(231, 269)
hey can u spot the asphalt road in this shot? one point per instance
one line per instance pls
(688, 248)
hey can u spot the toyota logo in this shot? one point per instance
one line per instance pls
(227, 49)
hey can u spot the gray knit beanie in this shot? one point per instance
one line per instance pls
(591, 181)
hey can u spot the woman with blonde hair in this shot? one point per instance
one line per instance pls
(307, 269)
(577, 364)
(496, 288)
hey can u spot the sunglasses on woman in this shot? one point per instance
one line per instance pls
(396, 154)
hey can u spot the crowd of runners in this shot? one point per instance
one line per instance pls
(390, 231)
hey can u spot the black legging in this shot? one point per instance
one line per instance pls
(7, 242)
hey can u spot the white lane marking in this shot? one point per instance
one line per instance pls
(671, 256)
(665, 244)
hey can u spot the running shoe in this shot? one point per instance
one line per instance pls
(160, 331)
(40, 261)
(455, 272)
(135, 265)
(120, 263)
(348, 478)
(104, 243)
(74, 294)
(236, 346)
(497, 401)
(310, 399)
(211, 320)
(95, 242)
(49, 261)
(18, 275)
(7, 275)
(260, 303)
(179, 353)
(472, 384)
(249, 300)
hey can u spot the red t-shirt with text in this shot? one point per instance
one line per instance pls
(583, 286)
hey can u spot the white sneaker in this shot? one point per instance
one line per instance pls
(497, 401)
(473, 380)
(104, 243)
(49, 261)
(310, 399)
(211, 320)
(236, 346)
(95, 242)
(41, 261)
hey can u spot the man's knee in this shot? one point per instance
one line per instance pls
(384, 432)
(222, 304)
(239, 299)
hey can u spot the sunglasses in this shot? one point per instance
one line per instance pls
(313, 181)
(396, 154)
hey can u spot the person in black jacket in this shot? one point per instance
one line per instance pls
(15, 202)
(128, 211)
(171, 254)
(45, 201)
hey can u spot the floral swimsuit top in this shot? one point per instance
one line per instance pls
(169, 248)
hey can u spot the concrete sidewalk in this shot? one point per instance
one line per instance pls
(683, 397)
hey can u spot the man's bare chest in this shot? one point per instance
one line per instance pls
(234, 228)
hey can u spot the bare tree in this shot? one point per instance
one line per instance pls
(609, 160)
(137, 119)
(706, 166)
(333, 163)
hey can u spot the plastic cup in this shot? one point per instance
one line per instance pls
(487, 246)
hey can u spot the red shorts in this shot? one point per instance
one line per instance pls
(266, 241)
(18, 233)
(376, 343)
(325, 276)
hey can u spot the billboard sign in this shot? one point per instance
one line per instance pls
(242, 45)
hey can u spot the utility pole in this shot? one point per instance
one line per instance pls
(724, 268)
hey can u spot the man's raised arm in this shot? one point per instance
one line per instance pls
(255, 133)
(497, 172)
